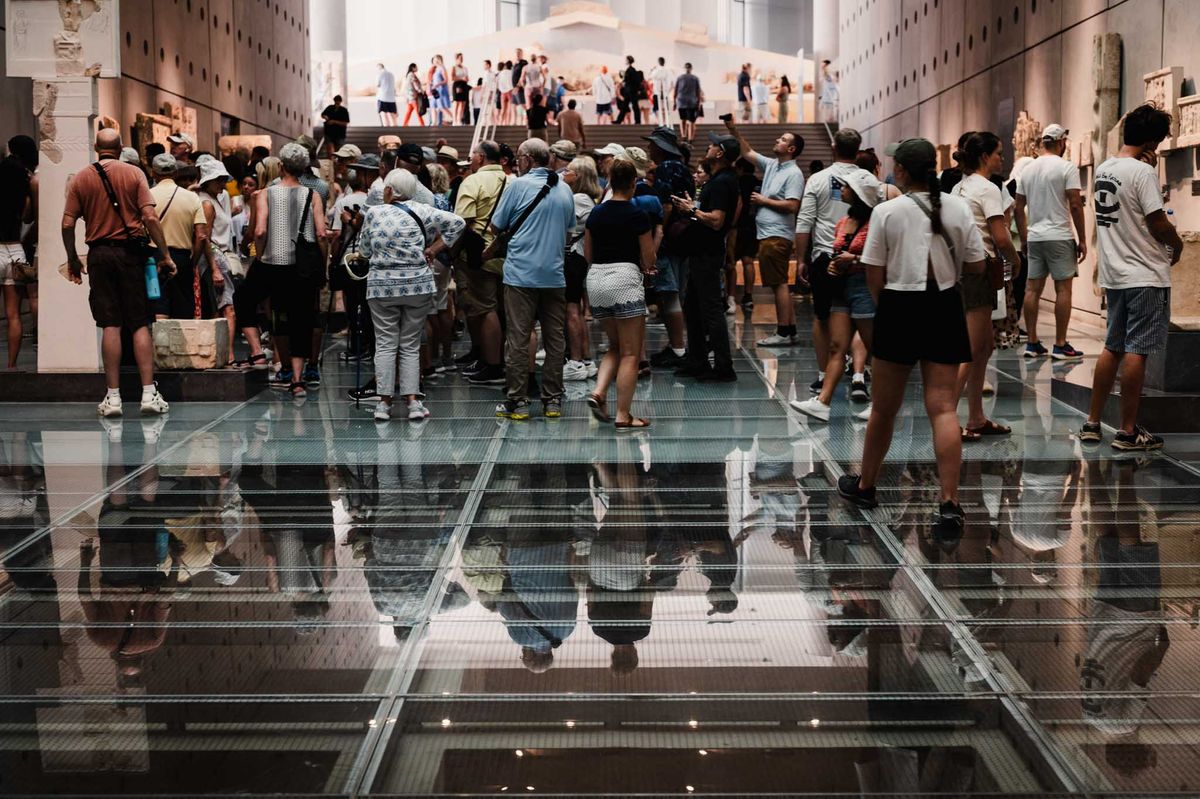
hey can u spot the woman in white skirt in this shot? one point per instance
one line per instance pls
(619, 245)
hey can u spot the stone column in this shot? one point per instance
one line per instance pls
(68, 340)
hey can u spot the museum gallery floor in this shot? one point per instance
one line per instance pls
(271, 597)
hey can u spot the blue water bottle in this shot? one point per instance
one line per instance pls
(153, 289)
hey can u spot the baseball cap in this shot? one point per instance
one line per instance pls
(1054, 132)
(411, 154)
(429, 154)
(912, 152)
(612, 148)
(564, 149)
(181, 138)
(728, 144)
(369, 161)
(448, 152)
(130, 156)
(666, 139)
(164, 164)
(348, 151)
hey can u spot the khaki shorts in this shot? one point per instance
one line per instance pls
(478, 290)
(773, 256)
(977, 292)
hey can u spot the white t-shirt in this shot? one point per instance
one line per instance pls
(660, 77)
(986, 202)
(902, 239)
(821, 206)
(348, 200)
(602, 89)
(504, 81)
(385, 87)
(1126, 192)
(1044, 185)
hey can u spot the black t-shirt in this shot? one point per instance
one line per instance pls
(536, 117)
(615, 227)
(747, 185)
(339, 113)
(719, 194)
(14, 191)
(518, 68)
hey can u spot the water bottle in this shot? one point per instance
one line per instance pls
(1170, 250)
(153, 289)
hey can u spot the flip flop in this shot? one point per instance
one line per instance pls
(599, 408)
(989, 428)
(633, 424)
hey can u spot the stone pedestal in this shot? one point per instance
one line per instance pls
(67, 337)
(191, 343)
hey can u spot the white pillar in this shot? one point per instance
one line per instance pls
(825, 30)
(66, 110)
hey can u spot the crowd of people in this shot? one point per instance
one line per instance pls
(527, 92)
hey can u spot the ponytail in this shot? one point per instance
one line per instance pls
(935, 200)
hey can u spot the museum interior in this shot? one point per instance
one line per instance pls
(572, 555)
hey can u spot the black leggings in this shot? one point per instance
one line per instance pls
(293, 304)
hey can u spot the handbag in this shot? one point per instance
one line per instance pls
(499, 246)
(472, 243)
(310, 261)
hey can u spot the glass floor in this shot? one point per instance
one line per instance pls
(281, 598)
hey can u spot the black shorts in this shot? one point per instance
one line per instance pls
(747, 242)
(603, 108)
(335, 134)
(575, 268)
(461, 91)
(385, 107)
(824, 286)
(687, 114)
(117, 281)
(929, 325)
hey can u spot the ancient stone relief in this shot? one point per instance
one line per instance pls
(1189, 121)
(1027, 136)
(45, 99)
(63, 38)
(1106, 85)
(1162, 89)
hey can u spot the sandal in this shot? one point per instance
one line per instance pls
(633, 424)
(599, 408)
(253, 362)
(989, 428)
(970, 436)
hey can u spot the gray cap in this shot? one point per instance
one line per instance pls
(912, 152)
(367, 161)
(164, 164)
(130, 156)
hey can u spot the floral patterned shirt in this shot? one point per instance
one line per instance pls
(392, 240)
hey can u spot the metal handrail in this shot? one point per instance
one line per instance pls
(828, 131)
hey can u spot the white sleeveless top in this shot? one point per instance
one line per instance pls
(284, 206)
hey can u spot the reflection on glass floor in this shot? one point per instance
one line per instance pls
(281, 598)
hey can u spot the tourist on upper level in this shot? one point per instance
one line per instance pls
(828, 105)
(662, 84)
(570, 126)
(460, 90)
(438, 87)
(603, 92)
(1138, 245)
(385, 96)
(761, 95)
(504, 89)
(782, 96)
(414, 94)
(632, 91)
(745, 100)
(688, 97)
(535, 117)
(336, 119)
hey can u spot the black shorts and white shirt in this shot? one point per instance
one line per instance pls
(920, 315)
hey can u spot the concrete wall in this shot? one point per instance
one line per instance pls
(936, 68)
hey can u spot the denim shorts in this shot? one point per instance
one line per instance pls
(668, 279)
(855, 299)
(1138, 319)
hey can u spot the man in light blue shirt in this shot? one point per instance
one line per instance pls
(534, 283)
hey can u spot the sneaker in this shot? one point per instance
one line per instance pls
(812, 407)
(1066, 353)
(575, 370)
(747, 301)
(155, 403)
(849, 489)
(592, 369)
(815, 386)
(552, 408)
(666, 359)
(1035, 349)
(715, 376)
(430, 372)
(948, 525)
(447, 365)
(110, 406)
(540, 357)
(471, 368)
(859, 391)
(417, 411)
(988, 388)
(467, 357)
(1089, 433)
(730, 306)
(281, 380)
(517, 411)
(487, 376)
(1140, 440)
(113, 427)
(776, 340)
(383, 411)
(367, 392)
(297, 391)
(312, 375)
(865, 414)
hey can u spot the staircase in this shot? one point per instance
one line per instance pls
(761, 137)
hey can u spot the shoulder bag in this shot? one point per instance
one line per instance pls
(499, 246)
(310, 261)
(139, 244)
(472, 244)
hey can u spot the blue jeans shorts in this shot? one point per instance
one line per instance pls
(855, 298)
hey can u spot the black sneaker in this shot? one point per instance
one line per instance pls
(815, 386)
(689, 370)
(367, 392)
(1089, 433)
(470, 356)
(487, 376)
(666, 359)
(948, 525)
(471, 368)
(1140, 440)
(747, 301)
(715, 376)
(849, 489)
(859, 391)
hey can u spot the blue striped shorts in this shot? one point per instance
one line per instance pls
(1137, 319)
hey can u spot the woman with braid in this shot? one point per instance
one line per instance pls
(918, 248)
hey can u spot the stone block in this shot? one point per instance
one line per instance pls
(1162, 89)
(1185, 282)
(191, 343)
(1189, 121)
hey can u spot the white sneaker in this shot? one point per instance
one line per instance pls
(730, 306)
(113, 427)
(383, 411)
(154, 403)
(152, 429)
(864, 415)
(575, 370)
(776, 340)
(417, 411)
(540, 357)
(813, 407)
(988, 388)
(110, 406)
(592, 369)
